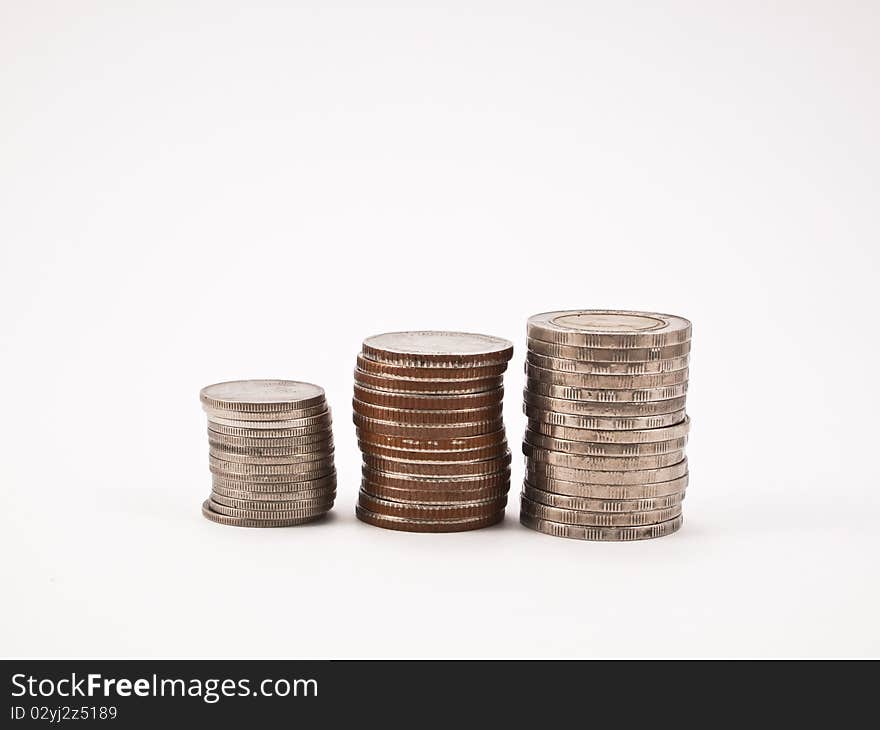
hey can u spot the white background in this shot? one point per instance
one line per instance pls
(199, 191)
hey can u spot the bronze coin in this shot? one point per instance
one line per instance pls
(426, 417)
(422, 431)
(443, 469)
(422, 385)
(436, 494)
(462, 510)
(404, 524)
(429, 402)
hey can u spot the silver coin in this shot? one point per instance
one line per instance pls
(292, 514)
(597, 519)
(627, 395)
(607, 534)
(261, 395)
(604, 367)
(262, 505)
(587, 448)
(284, 459)
(609, 328)
(598, 408)
(220, 415)
(316, 468)
(606, 382)
(603, 423)
(249, 496)
(592, 435)
(606, 491)
(274, 484)
(437, 348)
(323, 419)
(321, 427)
(601, 463)
(586, 504)
(308, 450)
(221, 519)
(271, 445)
(604, 476)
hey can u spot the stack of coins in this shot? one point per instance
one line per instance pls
(271, 453)
(605, 398)
(427, 406)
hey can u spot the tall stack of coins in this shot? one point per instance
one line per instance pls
(271, 453)
(605, 399)
(427, 407)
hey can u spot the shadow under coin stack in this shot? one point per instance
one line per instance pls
(604, 446)
(428, 411)
(271, 453)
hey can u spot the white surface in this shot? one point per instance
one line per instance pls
(195, 192)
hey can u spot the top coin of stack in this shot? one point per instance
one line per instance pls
(271, 453)
(605, 398)
(427, 407)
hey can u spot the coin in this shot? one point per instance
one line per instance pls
(433, 348)
(407, 524)
(421, 385)
(283, 459)
(605, 491)
(586, 504)
(605, 382)
(599, 408)
(587, 448)
(437, 468)
(291, 514)
(406, 401)
(422, 482)
(464, 443)
(247, 495)
(609, 328)
(265, 506)
(316, 468)
(581, 532)
(426, 417)
(220, 415)
(247, 522)
(439, 494)
(602, 463)
(634, 436)
(274, 484)
(479, 454)
(597, 519)
(261, 396)
(309, 441)
(415, 430)
(603, 367)
(433, 373)
(634, 423)
(288, 424)
(312, 427)
(418, 511)
(307, 450)
(627, 395)
(595, 476)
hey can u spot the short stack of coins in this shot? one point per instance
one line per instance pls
(428, 412)
(607, 428)
(271, 453)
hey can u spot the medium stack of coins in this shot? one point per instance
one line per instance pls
(604, 447)
(271, 453)
(427, 406)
